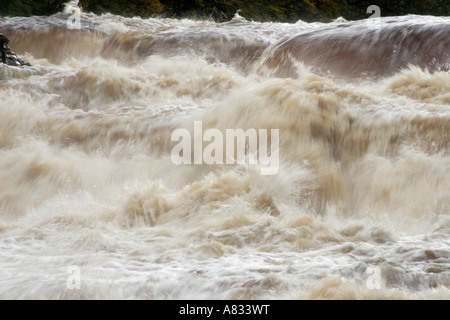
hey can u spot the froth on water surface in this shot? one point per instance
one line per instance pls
(92, 206)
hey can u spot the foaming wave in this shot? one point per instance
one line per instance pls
(338, 288)
(421, 85)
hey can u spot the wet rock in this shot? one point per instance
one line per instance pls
(8, 57)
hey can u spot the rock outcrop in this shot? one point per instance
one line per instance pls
(8, 57)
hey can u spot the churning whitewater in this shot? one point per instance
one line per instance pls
(93, 207)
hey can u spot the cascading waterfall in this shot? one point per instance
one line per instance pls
(359, 207)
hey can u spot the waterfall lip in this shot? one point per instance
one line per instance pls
(352, 49)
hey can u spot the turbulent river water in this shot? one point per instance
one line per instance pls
(92, 205)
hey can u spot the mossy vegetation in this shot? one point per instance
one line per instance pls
(223, 10)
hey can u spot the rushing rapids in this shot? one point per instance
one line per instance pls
(360, 205)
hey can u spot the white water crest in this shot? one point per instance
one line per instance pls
(93, 207)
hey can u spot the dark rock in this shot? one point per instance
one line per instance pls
(8, 57)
